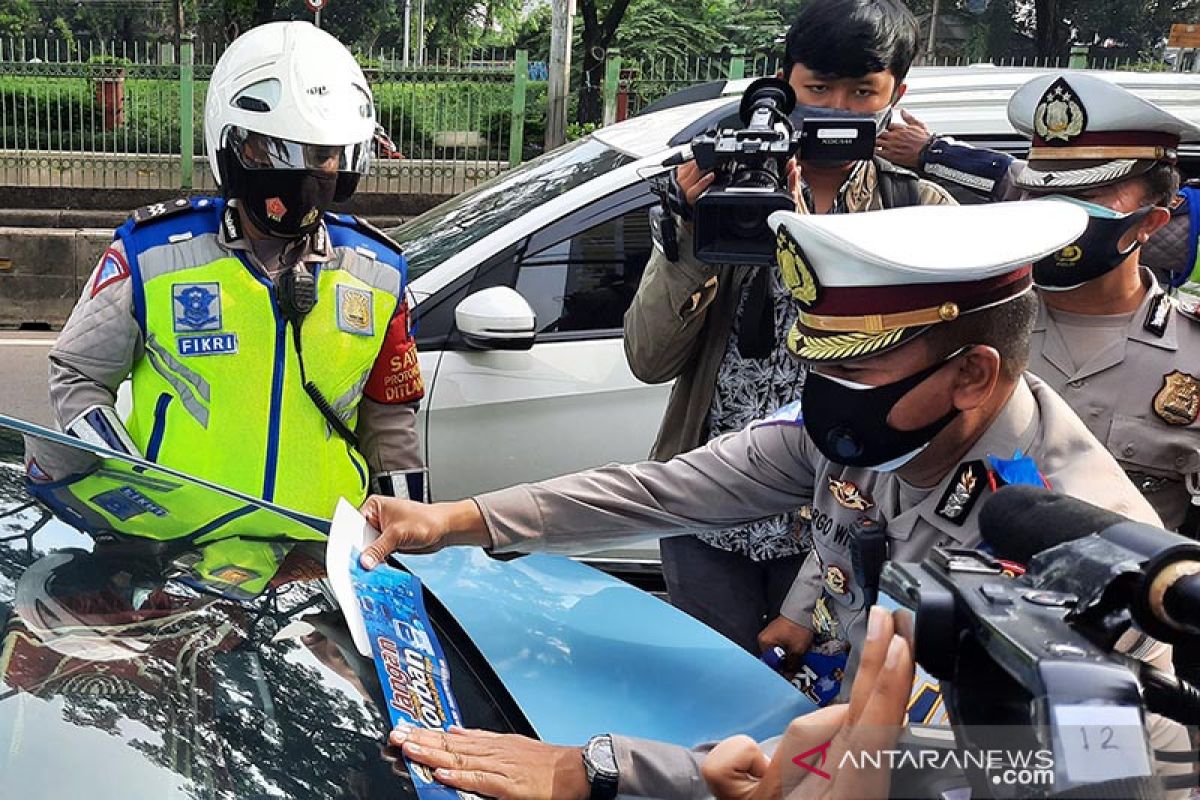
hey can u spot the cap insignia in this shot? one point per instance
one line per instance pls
(1060, 115)
(798, 276)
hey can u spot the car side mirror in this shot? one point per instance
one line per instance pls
(498, 318)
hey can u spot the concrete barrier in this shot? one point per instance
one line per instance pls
(42, 272)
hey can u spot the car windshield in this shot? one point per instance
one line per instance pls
(123, 674)
(459, 223)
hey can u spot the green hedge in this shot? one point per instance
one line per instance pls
(63, 113)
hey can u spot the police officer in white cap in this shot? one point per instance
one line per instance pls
(1108, 338)
(915, 325)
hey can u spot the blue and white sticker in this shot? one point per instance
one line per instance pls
(215, 344)
(413, 671)
(197, 307)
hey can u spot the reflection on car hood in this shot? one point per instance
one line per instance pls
(133, 685)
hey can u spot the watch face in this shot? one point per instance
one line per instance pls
(600, 754)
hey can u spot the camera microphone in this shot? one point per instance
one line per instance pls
(1022, 523)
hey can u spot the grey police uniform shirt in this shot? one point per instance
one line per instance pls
(1139, 394)
(101, 341)
(772, 467)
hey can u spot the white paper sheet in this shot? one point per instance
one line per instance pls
(348, 532)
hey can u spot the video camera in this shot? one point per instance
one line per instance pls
(750, 168)
(1026, 662)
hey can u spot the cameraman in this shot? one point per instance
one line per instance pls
(719, 332)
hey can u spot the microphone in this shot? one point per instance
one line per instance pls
(1020, 522)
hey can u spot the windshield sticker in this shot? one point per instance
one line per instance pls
(408, 657)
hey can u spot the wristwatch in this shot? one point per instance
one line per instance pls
(601, 764)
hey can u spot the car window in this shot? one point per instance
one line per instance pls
(457, 224)
(586, 281)
(120, 679)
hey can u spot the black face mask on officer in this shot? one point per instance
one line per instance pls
(848, 421)
(285, 203)
(284, 187)
(1094, 254)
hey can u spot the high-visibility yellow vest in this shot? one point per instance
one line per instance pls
(217, 392)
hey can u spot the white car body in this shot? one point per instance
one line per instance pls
(494, 418)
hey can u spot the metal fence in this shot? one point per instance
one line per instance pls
(120, 117)
(131, 117)
(632, 85)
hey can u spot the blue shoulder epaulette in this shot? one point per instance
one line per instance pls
(347, 230)
(156, 223)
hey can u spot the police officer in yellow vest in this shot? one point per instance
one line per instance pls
(267, 339)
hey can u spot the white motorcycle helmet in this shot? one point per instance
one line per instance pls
(288, 125)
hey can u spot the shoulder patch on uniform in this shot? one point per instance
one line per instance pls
(112, 269)
(160, 210)
(787, 415)
(964, 490)
(1159, 315)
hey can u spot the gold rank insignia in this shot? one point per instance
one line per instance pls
(797, 275)
(848, 495)
(824, 622)
(1178, 401)
(835, 580)
(1060, 115)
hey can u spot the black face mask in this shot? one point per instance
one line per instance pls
(285, 203)
(849, 425)
(1092, 255)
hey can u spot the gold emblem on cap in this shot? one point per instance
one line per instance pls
(842, 346)
(1060, 115)
(1178, 401)
(797, 275)
(948, 311)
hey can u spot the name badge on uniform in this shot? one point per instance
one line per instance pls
(197, 307)
(215, 344)
(355, 311)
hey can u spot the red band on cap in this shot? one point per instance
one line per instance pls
(853, 301)
(1114, 139)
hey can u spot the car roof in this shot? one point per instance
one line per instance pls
(970, 102)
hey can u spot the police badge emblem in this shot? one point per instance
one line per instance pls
(197, 307)
(835, 580)
(797, 275)
(355, 311)
(1178, 401)
(848, 495)
(1060, 115)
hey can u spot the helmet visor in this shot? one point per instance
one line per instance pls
(259, 151)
